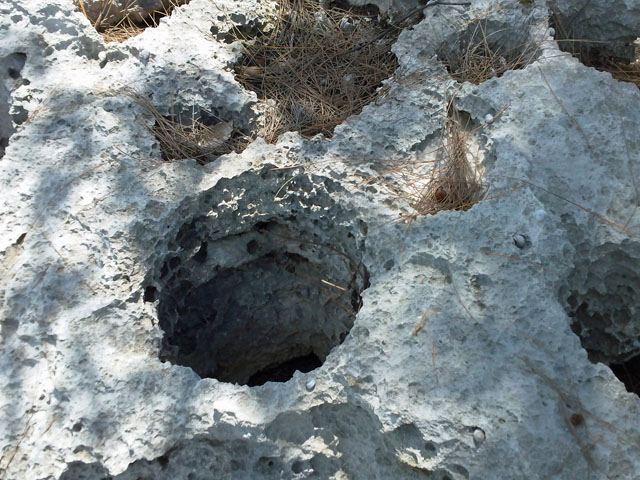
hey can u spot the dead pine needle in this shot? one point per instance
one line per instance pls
(479, 55)
(327, 282)
(454, 184)
(422, 322)
(584, 209)
(194, 139)
(316, 67)
(118, 21)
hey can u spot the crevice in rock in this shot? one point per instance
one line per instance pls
(119, 20)
(242, 28)
(629, 373)
(602, 301)
(199, 134)
(616, 51)
(317, 66)
(488, 48)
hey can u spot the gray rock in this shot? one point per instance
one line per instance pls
(146, 306)
(598, 28)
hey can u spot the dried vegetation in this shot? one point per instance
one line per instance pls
(588, 52)
(450, 182)
(454, 183)
(317, 66)
(479, 54)
(119, 20)
(192, 139)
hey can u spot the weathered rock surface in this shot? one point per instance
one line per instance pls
(447, 351)
(603, 28)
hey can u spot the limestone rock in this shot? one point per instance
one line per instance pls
(601, 28)
(164, 319)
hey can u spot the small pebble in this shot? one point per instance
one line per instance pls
(519, 240)
(311, 383)
(488, 118)
(478, 436)
(540, 214)
(552, 32)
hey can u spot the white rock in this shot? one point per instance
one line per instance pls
(519, 240)
(478, 436)
(102, 241)
(310, 383)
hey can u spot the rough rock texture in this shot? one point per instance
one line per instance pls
(603, 28)
(447, 352)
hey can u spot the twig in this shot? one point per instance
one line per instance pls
(422, 321)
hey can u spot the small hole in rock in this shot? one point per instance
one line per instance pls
(174, 263)
(297, 467)
(150, 294)
(201, 255)
(616, 50)
(190, 136)
(486, 49)
(252, 247)
(629, 373)
(163, 460)
(602, 304)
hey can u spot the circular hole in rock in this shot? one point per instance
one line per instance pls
(270, 298)
(488, 48)
(603, 304)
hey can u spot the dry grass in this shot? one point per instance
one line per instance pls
(195, 140)
(586, 51)
(480, 57)
(624, 72)
(450, 182)
(316, 67)
(117, 23)
(454, 183)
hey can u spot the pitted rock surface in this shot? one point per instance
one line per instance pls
(160, 319)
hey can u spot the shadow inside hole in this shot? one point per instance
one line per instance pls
(275, 312)
(619, 55)
(603, 306)
(629, 373)
(119, 21)
(285, 370)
